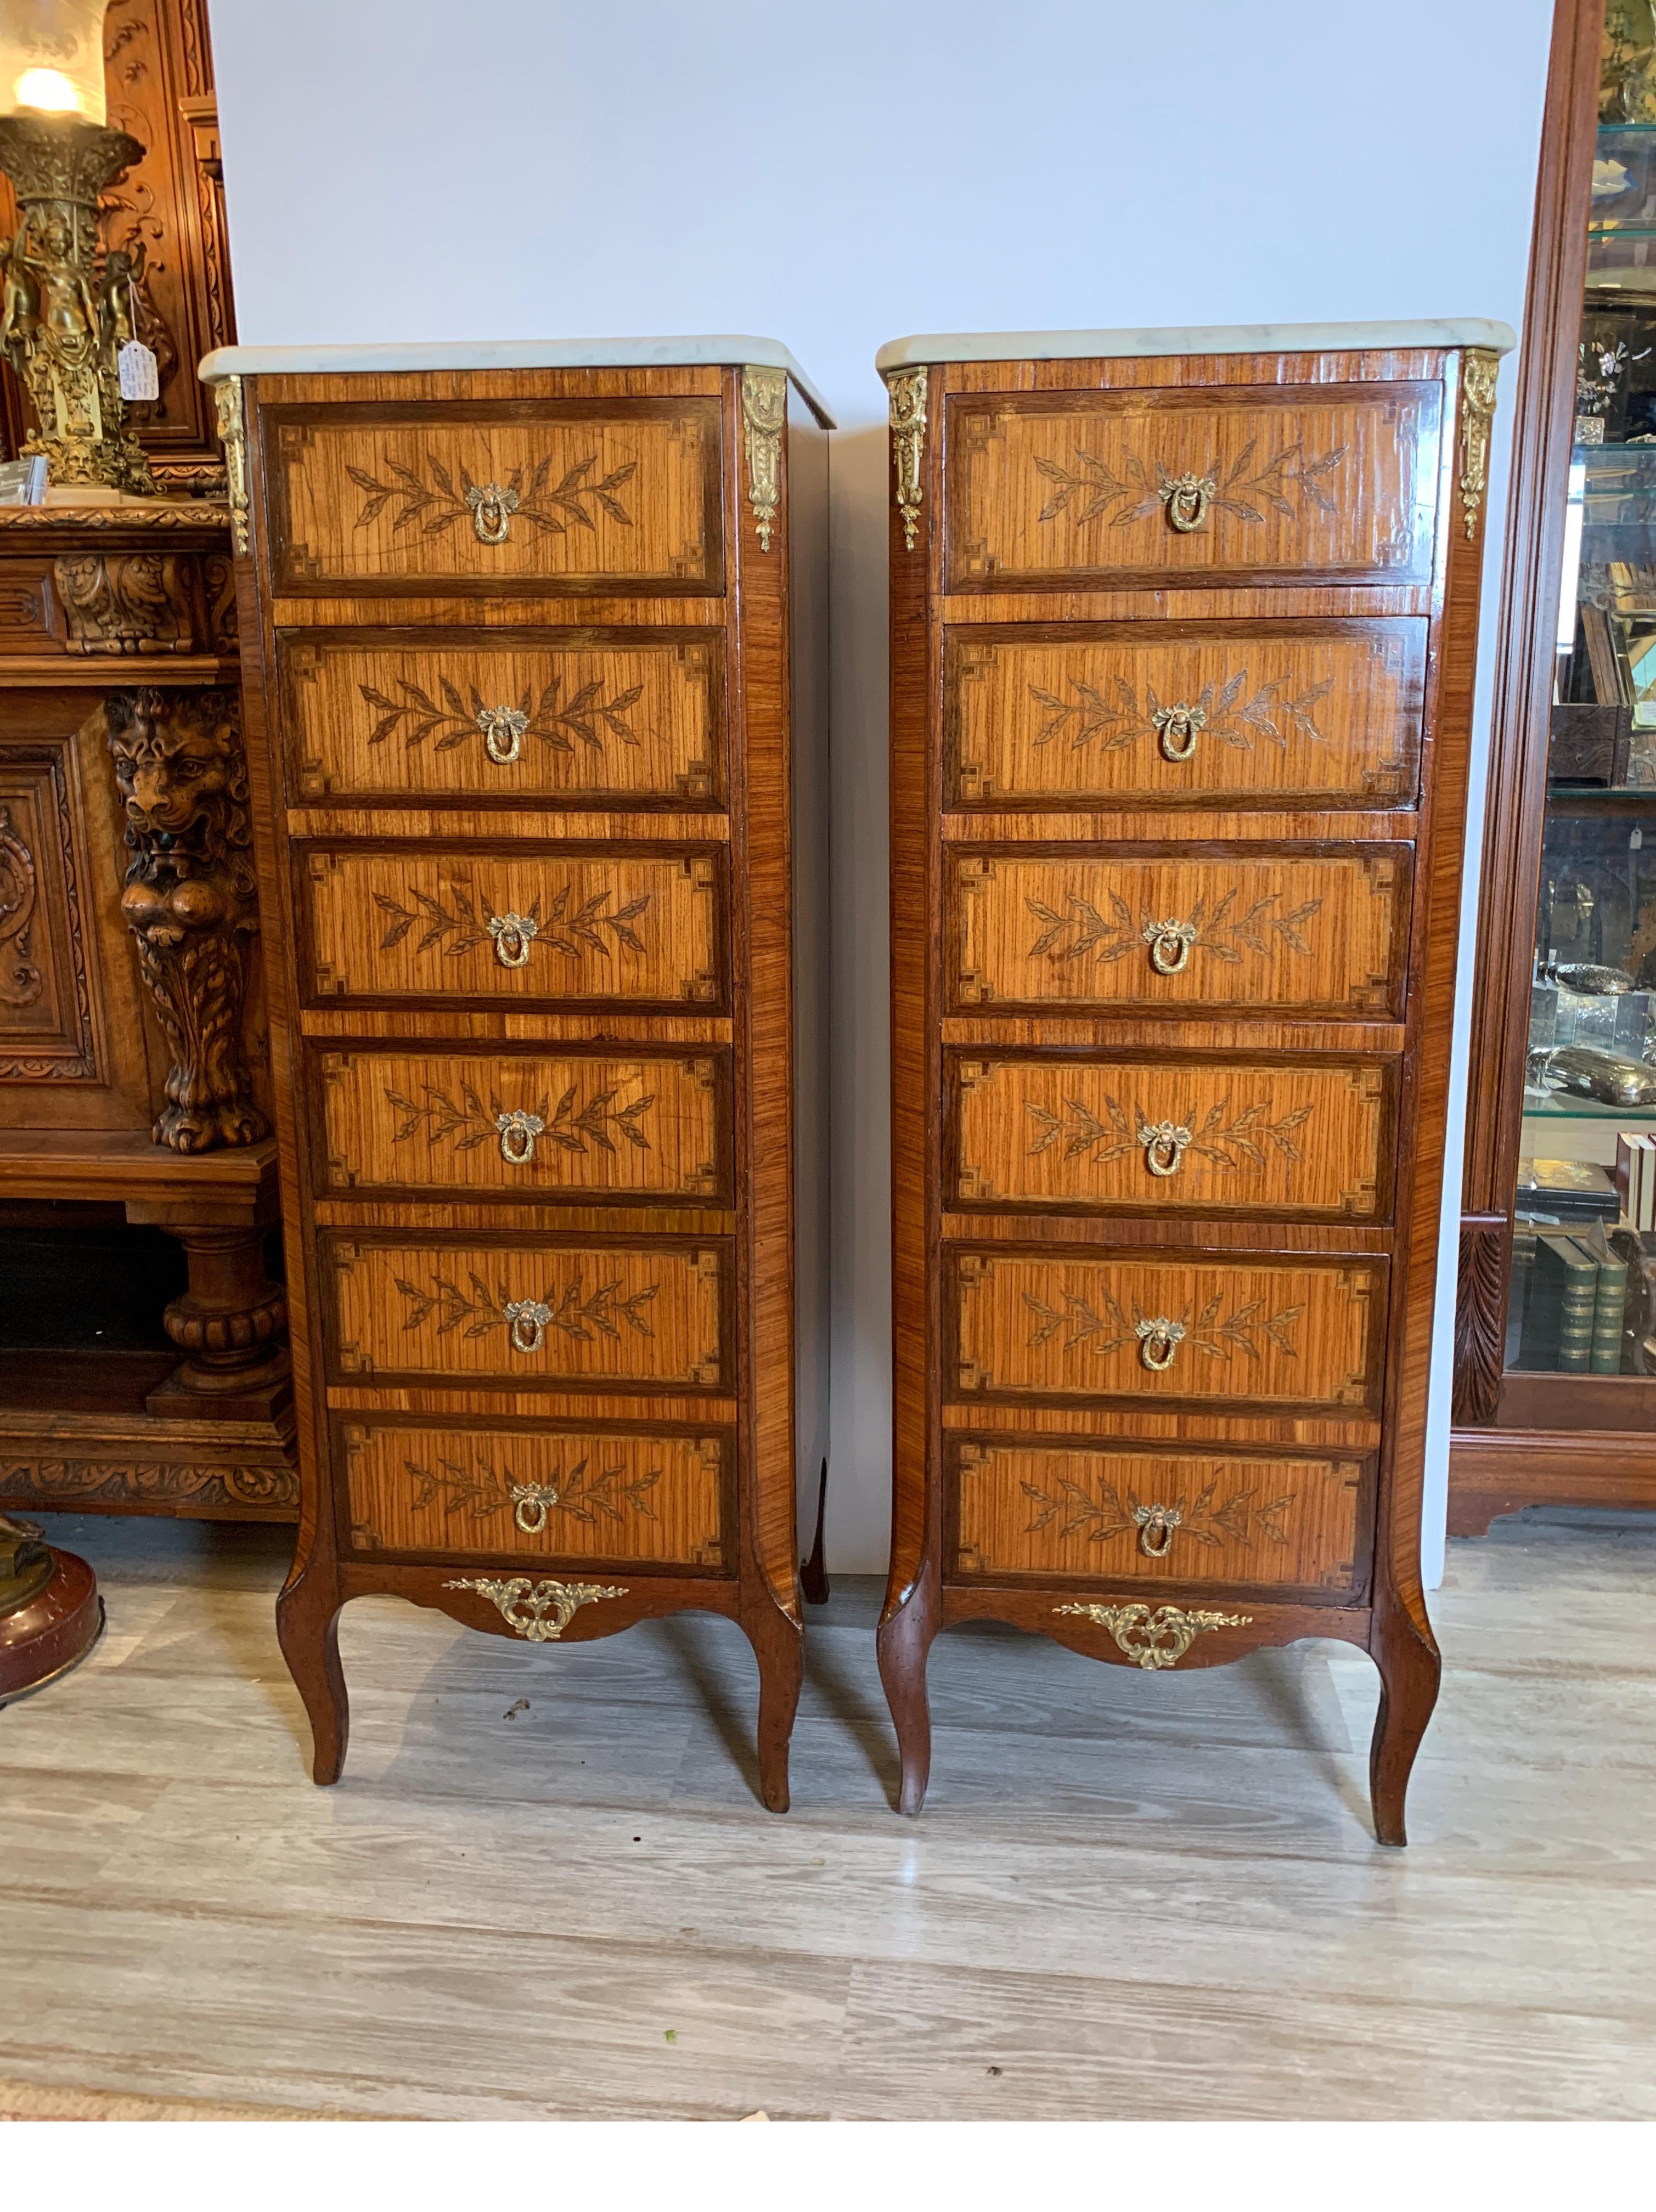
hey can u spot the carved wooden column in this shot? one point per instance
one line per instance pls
(190, 900)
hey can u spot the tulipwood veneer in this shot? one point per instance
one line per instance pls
(1183, 635)
(534, 662)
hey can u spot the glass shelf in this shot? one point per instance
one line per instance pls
(1564, 1106)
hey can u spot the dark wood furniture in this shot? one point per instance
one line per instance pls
(1182, 633)
(133, 1076)
(1522, 1438)
(531, 644)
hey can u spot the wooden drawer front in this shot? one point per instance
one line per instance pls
(540, 1494)
(1217, 714)
(1162, 1514)
(527, 1314)
(472, 496)
(1299, 1137)
(1201, 486)
(524, 1126)
(546, 924)
(574, 717)
(1309, 1333)
(1327, 931)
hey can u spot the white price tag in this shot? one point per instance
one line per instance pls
(138, 378)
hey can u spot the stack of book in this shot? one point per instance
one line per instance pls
(1573, 1290)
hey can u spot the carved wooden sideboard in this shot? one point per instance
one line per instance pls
(520, 627)
(1182, 633)
(132, 1081)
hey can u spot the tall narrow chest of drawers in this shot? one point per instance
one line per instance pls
(534, 644)
(1183, 633)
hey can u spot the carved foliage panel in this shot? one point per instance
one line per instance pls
(1179, 1516)
(47, 985)
(530, 1315)
(1169, 1329)
(1301, 1137)
(526, 1126)
(221, 1488)
(1323, 930)
(1320, 714)
(574, 716)
(542, 925)
(546, 1495)
(1055, 488)
(550, 495)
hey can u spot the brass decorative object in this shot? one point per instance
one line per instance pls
(63, 319)
(765, 412)
(1477, 406)
(513, 934)
(25, 1565)
(527, 1319)
(1157, 1639)
(233, 436)
(1164, 1145)
(190, 900)
(1186, 499)
(1159, 1340)
(525, 1603)
(907, 391)
(1170, 943)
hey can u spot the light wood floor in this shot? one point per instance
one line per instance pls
(1129, 1895)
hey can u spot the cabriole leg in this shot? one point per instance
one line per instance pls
(1411, 1670)
(779, 1646)
(902, 1645)
(308, 1629)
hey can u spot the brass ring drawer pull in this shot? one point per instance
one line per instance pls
(1186, 498)
(513, 934)
(1156, 1524)
(528, 1318)
(1170, 943)
(1159, 1340)
(503, 729)
(518, 1130)
(531, 1502)
(1164, 1144)
(1178, 727)
(493, 505)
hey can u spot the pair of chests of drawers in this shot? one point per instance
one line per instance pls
(1146, 832)
(510, 857)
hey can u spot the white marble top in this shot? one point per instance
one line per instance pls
(1225, 337)
(515, 353)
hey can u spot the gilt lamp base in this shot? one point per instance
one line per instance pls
(52, 1630)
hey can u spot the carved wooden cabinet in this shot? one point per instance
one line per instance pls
(1182, 633)
(532, 650)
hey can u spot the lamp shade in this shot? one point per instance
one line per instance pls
(51, 57)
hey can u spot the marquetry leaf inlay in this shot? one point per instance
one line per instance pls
(480, 1490)
(587, 715)
(436, 505)
(1218, 1136)
(460, 925)
(575, 1311)
(518, 1129)
(1084, 931)
(1212, 1331)
(1098, 1509)
(1187, 497)
(1220, 712)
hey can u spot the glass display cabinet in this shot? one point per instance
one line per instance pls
(1556, 1345)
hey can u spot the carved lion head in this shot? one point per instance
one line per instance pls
(179, 766)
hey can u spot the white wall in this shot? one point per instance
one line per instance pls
(835, 176)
